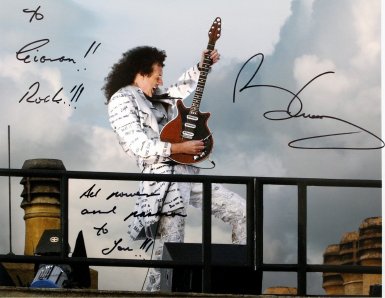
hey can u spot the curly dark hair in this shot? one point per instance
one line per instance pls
(137, 60)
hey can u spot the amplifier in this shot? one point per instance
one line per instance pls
(229, 272)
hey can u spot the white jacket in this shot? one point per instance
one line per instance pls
(138, 132)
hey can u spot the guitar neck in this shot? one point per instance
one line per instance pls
(202, 80)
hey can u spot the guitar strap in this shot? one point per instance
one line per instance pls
(156, 97)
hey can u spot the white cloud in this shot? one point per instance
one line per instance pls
(367, 18)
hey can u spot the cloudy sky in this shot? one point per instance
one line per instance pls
(336, 43)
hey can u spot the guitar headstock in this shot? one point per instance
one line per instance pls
(215, 30)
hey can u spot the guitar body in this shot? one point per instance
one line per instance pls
(174, 131)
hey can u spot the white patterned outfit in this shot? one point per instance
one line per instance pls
(137, 122)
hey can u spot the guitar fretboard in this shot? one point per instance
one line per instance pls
(201, 81)
(192, 117)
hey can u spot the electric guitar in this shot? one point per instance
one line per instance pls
(190, 123)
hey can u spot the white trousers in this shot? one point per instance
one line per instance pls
(226, 205)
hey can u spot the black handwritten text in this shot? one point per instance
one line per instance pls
(107, 250)
(89, 193)
(24, 54)
(85, 211)
(294, 110)
(33, 96)
(158, 213)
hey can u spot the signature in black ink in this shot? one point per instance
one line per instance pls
(85, 211)
(35, 14)
(147, 243)
(102, 229)
(24, 53)
(31, 96)
(89, 193)
(89, 49)
(107, 251)
(292, 112)
(158, 213)
(118, 194)
(34, 88)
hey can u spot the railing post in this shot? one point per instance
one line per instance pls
(206, 238)
(302, 239)
(258, 231)
(64, 214)
(250, 222)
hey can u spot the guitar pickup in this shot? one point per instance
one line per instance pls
(190, 125)
(187, 134)
(191, 117)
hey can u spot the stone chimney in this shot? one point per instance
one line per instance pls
(348, 256)
(41, 201)
(41, 204)
(370, 250)
(356, 248)
(332, 281)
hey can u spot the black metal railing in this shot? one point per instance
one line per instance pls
(255, 214)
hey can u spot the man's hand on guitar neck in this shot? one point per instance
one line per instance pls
(214, 56)
(194, 147)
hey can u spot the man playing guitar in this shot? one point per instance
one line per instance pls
(138, 110)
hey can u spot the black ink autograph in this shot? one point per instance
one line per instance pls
(118, 194)
(146, 245)
(107, 251)
(90, 193)
(35, 14)
(93, 212)
(158, 213)
(32, 96)
(24, 53)
(291, 112)
(93, 192)
(102, 229)
(31, 53)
